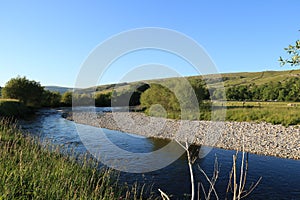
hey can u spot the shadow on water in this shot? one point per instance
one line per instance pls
(280, 176)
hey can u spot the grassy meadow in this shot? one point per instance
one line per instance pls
(284, 113)
(30, 171)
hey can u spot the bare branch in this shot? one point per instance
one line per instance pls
(163, 195)
(212, 183)
(252, 188)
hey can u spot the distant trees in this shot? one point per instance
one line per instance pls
(28, 92)
(51, 99)
(175, 95)
(130, 96)
(103, 99)
(200, 88)
(66, 98)
(288, 90)
(239, 93)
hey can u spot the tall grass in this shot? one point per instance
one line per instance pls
(30, 171)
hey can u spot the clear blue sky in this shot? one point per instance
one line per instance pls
(47, 41)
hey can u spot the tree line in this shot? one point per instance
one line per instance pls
(172, 94)
(32, 94)
(288, 90)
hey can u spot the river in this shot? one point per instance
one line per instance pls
(280, 177)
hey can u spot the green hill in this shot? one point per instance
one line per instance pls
(257, 78)
(58, 89)
(229, 79)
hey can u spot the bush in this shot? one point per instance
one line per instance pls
(28, 92)
(12, 108)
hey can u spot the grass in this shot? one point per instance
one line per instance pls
(257, 78)
(270, 112)
(29, 171)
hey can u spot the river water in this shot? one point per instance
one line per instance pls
(280, 177)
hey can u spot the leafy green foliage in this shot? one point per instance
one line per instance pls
(129, 96)
(273, 91)
(177, 97)
(51, 99)
(66, 98)
(103, 99)
(13, 108)
(28, 92)
(294, 55)
(157, 94)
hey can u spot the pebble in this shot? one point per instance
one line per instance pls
(259, 138)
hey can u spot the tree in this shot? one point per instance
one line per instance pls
(66, 98)
(158, 94)
(103, 99)
(130, 96)
(28, 92)
(51, 99)
(294, 55)
(200, 89)
(179, 97)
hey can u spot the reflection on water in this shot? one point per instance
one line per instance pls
(280, 176)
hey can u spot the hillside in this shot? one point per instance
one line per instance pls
(257, 78)
(58, 89)
(229, 79)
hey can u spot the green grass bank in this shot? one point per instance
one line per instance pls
(30, 171)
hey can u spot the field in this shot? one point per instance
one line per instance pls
(285, 113)
(273, 112)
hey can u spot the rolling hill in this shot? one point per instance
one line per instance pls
(257, 78)
(61, 90)
(229, 79)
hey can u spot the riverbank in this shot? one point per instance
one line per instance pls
(258, 138)
(29, 170)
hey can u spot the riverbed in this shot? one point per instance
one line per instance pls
(258, 138)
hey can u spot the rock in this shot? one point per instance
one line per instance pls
(259, 138)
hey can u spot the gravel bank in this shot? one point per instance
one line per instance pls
(259, 138)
